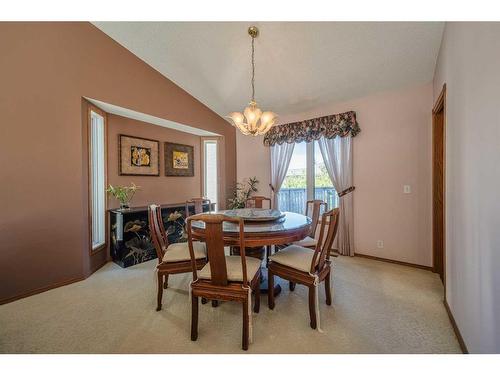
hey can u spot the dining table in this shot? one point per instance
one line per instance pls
(280, 228)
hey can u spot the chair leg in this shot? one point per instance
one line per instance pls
(312, 306)
(256, 306)
(246, 327)
(165, 284)
(327, 289)
(292, 286)
(194, 318)
(270, 292)
(160, 292)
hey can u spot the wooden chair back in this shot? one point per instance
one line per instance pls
(322, 251)
(161, 224)
(198, 205)
(257, 201)
(157, 231)
(213, 236)
(315, 207)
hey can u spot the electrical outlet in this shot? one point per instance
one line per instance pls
(406, 189)
(380, 244)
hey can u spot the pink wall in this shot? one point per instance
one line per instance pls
(154, 189)
(468, 63)
(45, 70)
(392, 150)
(253, 159)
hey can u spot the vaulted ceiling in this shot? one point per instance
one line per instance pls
(299, 65)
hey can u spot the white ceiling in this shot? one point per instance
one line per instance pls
(299, 65)
(144, 117)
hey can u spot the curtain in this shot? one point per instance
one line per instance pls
(331, 126)
(337, 155)
(280, 160)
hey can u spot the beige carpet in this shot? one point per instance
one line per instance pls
(378, 308)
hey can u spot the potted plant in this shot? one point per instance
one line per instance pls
(123, 194)
(242, 192)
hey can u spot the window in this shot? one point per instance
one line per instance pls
(97, 177)
(306, 179)
(210, 183)
(293, 192)
(323, 187)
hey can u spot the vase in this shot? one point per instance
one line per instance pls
(124, 206)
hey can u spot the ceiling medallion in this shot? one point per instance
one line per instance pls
(253, 121)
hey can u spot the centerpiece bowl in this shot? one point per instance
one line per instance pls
(256, 214)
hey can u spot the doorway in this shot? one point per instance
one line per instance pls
(438, 185)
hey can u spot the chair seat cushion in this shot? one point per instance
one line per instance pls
(178, 252)
(233, 269)
(307, 242)
(294, 256)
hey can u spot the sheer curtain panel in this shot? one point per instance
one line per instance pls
(280, 160)
(337, 155)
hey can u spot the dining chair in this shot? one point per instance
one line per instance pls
(300, 265)
(227, 278)
(172, 258)
(198, 205)
(313, 210)
(257, 202)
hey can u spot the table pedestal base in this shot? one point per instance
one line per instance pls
(264, 286)
(260, 253)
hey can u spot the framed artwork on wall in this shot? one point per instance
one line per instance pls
(138, 156)
(179, 160)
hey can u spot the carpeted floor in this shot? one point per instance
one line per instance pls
(378, 308)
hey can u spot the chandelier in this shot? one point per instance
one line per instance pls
(253, 121)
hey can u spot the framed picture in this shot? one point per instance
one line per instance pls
(138, 156)
(179, 160)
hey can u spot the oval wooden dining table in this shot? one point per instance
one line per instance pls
(290, 228)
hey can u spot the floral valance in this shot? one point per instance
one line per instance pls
(341, 124)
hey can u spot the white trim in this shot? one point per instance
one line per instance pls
(144, 117)
(97, 179)
(211, 166)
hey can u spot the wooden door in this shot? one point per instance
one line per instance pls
(438, 184)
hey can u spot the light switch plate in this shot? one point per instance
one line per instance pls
(380, 244)
(406, 189)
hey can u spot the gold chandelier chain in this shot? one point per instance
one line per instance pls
(253, 121)
(253, 69)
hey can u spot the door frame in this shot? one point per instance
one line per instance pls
(439, 106)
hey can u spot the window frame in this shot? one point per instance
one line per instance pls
(204, 141)
(310, 178)
(98, 111)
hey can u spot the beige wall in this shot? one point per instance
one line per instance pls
(45, 70)
(392, 150)
(154, 189)
(468, 63)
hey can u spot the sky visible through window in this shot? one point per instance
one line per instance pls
(296, 175)
(299, 157)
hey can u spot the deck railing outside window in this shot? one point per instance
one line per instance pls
(294, 199)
